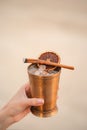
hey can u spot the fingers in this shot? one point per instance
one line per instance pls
(27, 90)
(26, 86)
(35, 102)
(32, 101)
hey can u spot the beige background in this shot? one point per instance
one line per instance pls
(28, 28)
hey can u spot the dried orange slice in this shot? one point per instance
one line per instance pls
(50, 56)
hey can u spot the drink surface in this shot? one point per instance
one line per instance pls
(41, 70)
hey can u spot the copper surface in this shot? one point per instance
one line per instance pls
(45, 87)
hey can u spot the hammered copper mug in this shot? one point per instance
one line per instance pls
(45, 87)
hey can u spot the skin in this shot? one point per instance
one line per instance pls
(18, 107)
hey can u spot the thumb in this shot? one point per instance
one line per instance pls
(35, 101)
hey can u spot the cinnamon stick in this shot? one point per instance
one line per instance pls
(38, 61)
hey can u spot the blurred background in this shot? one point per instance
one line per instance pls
(30, 27)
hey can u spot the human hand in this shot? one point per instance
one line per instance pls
(19, 106)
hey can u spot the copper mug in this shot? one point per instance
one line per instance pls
(45, 87)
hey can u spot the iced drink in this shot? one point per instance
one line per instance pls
(44, 84)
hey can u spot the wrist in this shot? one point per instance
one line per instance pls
(5, 118)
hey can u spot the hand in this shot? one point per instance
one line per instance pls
(18, 107)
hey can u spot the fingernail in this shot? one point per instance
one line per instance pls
(40, 101)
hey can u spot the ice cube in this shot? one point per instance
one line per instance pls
(32, 69)
(42, 67)
(37, 72)
(45, 73)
